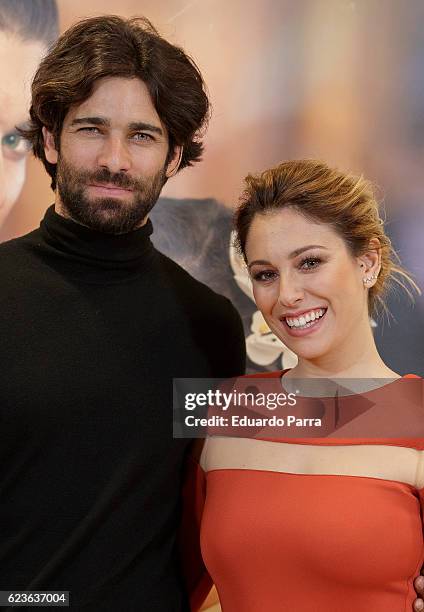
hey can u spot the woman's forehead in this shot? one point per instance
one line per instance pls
(288, 230)
(18, 62)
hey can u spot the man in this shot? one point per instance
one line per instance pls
(96, 323)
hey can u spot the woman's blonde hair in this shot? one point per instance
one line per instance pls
(326, 195)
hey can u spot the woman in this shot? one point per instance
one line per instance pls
(330, 523)
(26, 30)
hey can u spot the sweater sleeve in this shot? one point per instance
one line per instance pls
(230, 342)
(197, 580)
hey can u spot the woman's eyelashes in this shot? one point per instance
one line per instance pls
(14, 145)
(313, 263)
(264, 275)
(306, 264)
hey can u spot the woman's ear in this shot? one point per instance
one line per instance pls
(370, 262)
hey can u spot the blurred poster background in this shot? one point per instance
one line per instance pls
(332, 79)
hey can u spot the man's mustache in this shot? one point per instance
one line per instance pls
(119, 179)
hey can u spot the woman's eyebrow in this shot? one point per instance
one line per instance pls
(292, 255)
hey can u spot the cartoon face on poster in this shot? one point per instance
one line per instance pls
(327, 80)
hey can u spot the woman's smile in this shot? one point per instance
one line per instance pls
(305, 323)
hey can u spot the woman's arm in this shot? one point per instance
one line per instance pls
(419, 581)
(197, 580)
(211, 600)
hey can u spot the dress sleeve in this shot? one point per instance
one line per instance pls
(197, 579)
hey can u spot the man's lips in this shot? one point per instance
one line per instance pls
(109, 189)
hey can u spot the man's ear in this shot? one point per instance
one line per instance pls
(175, 161)
(50, 150)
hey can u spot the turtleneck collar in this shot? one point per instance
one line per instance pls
(93, 253)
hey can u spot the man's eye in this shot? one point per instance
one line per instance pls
(89, 130)
(310, 263)
(15, 144)
(264, 276)
(142, 136)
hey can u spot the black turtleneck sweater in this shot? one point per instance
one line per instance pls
(93, 329)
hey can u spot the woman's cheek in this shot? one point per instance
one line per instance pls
(11, 185)
(265, 298)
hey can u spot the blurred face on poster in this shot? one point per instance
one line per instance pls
(18, 61)
(26, 31)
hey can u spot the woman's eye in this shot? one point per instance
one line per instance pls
(310, 263)
(264, 275)
(15, 144)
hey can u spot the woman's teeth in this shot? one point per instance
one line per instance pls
(306, 320)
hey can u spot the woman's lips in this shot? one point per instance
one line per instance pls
(297, 332)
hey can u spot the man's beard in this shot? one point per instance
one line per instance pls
(107, 215)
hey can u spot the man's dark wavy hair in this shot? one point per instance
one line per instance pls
(111, 46)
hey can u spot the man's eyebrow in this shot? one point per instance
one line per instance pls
(141, 126)
(92, 120)
(135, 126)
(292, 255)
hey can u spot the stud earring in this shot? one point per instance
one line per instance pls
(369, 279)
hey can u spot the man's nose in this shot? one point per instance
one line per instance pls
(114, 154)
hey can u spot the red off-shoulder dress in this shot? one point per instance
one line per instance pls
(273, 541)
